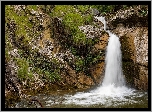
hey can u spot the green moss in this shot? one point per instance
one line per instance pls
(88, 19)
(79, 64)
(53, 76)
(23, 72)
(21, 19)
(79, 38)
(72, 18)
(61, 10)
(83, 8)
(34, 7)
(48, 69)
(48, 75)
(8, 47)
(93, 58)
(7, 56)
(22, 22)
(25, 32)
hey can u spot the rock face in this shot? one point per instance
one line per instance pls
(81, 80)
(42, 44)
(134, 44)
(141, 46)
(130, 17)
(135, 55)
(97, 71)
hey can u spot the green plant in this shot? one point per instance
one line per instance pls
(52, 76)
(105, 8)
(73, 50)
(88, 19)
(7, 56)
(72, 19)
(23, 72)
(32, 7)
(79, 38)
(83, 8)
(79, 64)
(61, 10)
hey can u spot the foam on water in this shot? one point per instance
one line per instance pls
(105, 95)
(113, 90)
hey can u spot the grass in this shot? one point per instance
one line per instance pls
(73, 18)
(23, 72)
(23, 37)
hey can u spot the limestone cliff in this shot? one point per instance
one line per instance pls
(134, 44)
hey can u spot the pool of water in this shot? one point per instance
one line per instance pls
(101, 97)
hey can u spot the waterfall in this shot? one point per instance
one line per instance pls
(113, 60)
(113, 91)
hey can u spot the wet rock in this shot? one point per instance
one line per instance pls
(131, 17)
(134, 42)
(97, 72)
(141, 82)
(95, 12)
(103, 41)
(12, 83)
(84, 81)
(132, 28)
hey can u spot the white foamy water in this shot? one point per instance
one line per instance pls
(113, 60)
(103, 95)
(112, 91)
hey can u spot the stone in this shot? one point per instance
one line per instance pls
(134, 45)
(97, 72)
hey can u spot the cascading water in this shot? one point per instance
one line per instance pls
(113, 71)
(113, 85)
(112, 92)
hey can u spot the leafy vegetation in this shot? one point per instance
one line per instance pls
(105, 9)
(72, 16)
(23, 70)
(24, 35)
(72, 19)
(26, 31)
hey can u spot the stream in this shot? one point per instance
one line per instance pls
(112, 93)
(125, 98)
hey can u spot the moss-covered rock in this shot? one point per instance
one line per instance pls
(47, 49)
(134, 46)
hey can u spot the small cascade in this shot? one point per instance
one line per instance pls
(112, 92)
(113, 60)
